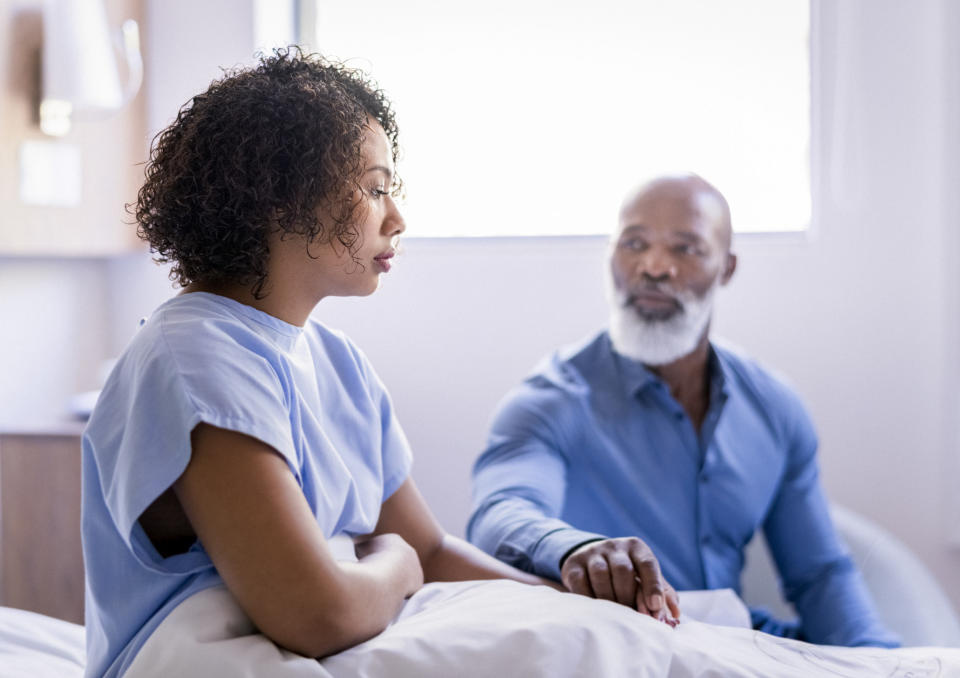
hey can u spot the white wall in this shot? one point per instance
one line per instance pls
(861, 315)
(54, 319)
(54, 328)
(188, 45)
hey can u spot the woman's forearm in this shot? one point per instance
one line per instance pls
(370, 591)
(456, 560)
(375, 596)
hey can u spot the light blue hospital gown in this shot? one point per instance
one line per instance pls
(307, 392)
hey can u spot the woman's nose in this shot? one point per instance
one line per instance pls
(394, 224)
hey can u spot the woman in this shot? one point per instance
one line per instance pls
(236, 434)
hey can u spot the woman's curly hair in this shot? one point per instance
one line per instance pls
(262, 148)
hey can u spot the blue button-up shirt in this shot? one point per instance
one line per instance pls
(593, 445)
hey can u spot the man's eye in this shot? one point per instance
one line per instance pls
(633, 244)
(687, 249)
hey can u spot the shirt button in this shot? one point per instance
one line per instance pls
(705, 540)
(704, 478)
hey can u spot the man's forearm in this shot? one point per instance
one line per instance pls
(518, 532)
(836, 609)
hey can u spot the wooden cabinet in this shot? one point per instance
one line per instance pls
(41, 563)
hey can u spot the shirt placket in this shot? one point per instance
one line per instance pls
(707, 535)
(698, 451)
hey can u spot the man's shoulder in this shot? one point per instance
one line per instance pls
(571, 368)
(554, 394)
(559, 381)
(766, 387)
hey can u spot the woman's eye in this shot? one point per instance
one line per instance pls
(378, 192)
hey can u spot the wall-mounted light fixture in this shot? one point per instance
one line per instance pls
(80, 73)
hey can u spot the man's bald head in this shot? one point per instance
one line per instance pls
(670, 254)
(682, 193)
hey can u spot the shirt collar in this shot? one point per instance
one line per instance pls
(636, 378)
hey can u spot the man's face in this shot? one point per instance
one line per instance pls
(670, 254)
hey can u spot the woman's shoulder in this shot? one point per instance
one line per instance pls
(334, 342)
(195, 339)
(200, 315)
(204, 329)
(337, 354)
(197, 359)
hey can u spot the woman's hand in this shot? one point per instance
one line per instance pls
(392, 546)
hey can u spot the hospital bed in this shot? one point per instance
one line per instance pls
(505, 629)
(34, 645)
(467, 630)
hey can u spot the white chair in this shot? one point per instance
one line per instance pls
(909, 600)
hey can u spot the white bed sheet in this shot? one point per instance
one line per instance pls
(504, 629)
(36, 646)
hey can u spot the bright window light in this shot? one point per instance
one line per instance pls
(274, 24)
(534, 117)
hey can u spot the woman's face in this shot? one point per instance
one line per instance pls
(379, 221)
(330, 269)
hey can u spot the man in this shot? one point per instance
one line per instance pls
(651, 443)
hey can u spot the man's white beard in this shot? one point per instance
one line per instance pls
(658, 342)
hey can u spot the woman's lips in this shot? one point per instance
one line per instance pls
(383, 260)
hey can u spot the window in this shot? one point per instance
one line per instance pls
(274, 23)
(534, 117)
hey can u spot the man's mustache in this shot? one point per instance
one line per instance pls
(650, 292)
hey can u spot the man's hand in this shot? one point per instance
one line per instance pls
(625, 571)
